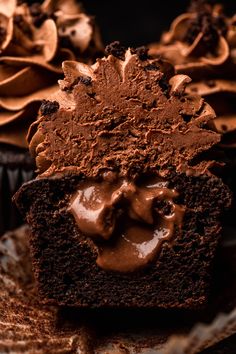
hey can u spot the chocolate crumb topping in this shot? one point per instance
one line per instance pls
(116, 49)
(211, 27)
(142, 52)
(37, 14)
(18, 19)
(86, 80)
(164, 85)
(197, 5)
(23, 25)
(49, 107)
(211, 83)
(35, 9)
(151, 67)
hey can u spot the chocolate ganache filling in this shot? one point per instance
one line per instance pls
(127, 220)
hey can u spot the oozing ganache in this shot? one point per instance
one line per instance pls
(125, 220)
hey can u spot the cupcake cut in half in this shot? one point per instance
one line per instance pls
(125, 211)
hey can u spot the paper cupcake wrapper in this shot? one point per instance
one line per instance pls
(26, 326)
(203, 336)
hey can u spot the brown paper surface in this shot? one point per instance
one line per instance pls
(26, 326)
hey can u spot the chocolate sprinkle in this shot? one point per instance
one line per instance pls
(49, 107)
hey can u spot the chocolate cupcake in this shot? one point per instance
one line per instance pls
(34, 41)
(125, 211)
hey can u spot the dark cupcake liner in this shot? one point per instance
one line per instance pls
(16, 168)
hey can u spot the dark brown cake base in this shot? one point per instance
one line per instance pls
(16, 168)
(65, 261)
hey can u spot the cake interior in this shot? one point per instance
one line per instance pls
(64, 259)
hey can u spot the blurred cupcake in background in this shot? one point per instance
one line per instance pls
(202, 44)
(34, 41)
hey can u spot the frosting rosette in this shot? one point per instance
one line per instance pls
(34, 41)
(202, 44)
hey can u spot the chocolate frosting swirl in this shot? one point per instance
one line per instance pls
(34, 41)
(130, 115)
(202, 44)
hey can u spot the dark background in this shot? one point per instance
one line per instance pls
(136, 23)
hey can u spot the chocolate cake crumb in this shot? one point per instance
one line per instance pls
(3, 34)
(116, 49)
(164, 207)
(141, 52)
(49, 107)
